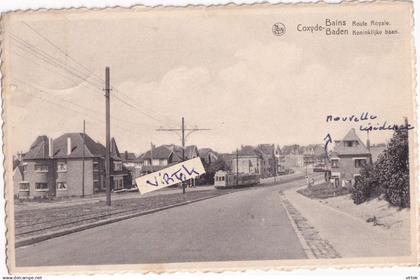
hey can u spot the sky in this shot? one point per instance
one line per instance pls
(219, 69)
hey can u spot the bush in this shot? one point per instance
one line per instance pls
(366, 185)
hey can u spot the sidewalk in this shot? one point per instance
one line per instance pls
(348, 235)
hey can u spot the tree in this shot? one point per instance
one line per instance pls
(211, 169)
(389, 176)
(393, 170)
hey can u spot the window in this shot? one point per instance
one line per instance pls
(61, 166)
(96, 185)
(155, 162)
(41, 168)
(117, 165)
(359, 163)
(350, 143)
(334, 163)
(95, 165)
(162, 162)
(24, 167)
(24, 186)
(61, 186)
(118, 183)
(41, 187)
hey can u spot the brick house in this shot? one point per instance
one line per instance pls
(54, 167)
(347, 158)
(132, 163)
(260, 160)
(269, 163)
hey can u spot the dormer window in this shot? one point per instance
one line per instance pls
(350, 143)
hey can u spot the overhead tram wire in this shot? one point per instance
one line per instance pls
(78, 63)
(35, 51)
(62, 51)
(65, 67)
(76, 111)
(27, 57)
(77, 105)
(101, 80)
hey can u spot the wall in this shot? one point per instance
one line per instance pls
(346, 167)
(33, 177)
(74, 177)
(244, 166)
(17, 178)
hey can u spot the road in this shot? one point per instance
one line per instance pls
(245, 225)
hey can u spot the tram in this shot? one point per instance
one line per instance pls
(223, 179)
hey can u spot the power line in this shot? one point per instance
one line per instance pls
(85, 68)
(78, 111)
(40, 54)
(75, 72)
(78, 105)
(29, 58)
(61, 50)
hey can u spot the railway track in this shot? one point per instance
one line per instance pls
(30, 223)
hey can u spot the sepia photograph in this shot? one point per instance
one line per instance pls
(210, 138)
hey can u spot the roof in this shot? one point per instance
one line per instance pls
(249, 151)
(359, 149)
(190, 151)
(39, 149)
(203, 152)
(115, 153)
(126, 156)
(160, 152)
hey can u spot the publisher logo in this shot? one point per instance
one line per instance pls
(278, 29)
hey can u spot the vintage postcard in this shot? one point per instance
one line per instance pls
(210, 138)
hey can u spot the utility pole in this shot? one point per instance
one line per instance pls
(151, 156)
(108, 140)
(237, 167)
(83, 160)
(276, 163)
(183, 129)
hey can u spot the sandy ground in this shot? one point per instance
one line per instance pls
(344, 225)
(388, 217)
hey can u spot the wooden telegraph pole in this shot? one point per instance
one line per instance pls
(237, 167)
(108, 140)
(83, 160)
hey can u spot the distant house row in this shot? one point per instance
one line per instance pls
(54, 167)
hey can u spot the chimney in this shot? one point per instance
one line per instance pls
(368, 141)
(68, 146)
(50, 148)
